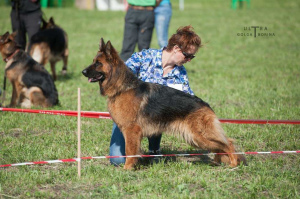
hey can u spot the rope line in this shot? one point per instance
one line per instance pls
(106, 115)
(144, 156)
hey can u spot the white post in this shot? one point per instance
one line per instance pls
(78, 136)
(181, 4)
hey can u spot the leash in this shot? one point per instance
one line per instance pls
(4, 88)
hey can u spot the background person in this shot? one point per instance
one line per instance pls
(163, 14)
(139, 24)
(163, 66)
(26, 17)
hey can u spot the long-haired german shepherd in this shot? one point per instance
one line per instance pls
(50, 44)
(145, 109)
(32, 84)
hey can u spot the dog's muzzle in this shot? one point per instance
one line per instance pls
(93, 77)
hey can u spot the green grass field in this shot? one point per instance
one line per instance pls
(239, 75)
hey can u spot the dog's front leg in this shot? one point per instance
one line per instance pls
(13, 101)
(133, 137)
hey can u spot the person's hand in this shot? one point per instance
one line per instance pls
(157, 3)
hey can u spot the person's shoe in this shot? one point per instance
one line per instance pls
(155, 159)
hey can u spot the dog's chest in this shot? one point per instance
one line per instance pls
(124, 108)
(14, 71)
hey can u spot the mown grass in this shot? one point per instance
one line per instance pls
(242, 77)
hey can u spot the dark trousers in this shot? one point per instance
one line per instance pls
(138, 29)
(25, 23)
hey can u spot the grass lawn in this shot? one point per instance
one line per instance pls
(241, 75)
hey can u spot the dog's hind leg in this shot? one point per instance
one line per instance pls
(35, 97)
(133, 137)
(220, 158)
(208, 134)
(65, 61)
(217, 145)
(52, 64)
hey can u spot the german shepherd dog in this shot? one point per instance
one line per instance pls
(50, 44)
(32, 84)
(144, 109)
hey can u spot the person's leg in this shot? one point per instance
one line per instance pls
(130, 34)
(146, 25)
(154, 148)
(163, 16)
(117, 146)
(33, 23)
(17, 25)
(154, 144)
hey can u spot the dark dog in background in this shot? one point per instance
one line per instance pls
(31, 83)
(144, 109)
(50, 44)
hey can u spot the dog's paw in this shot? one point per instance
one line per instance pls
(222, 159)
(64, 72)
(130, 163)
(242, 160)
(128, 167)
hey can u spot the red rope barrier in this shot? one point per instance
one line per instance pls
(236, 121)
(106, 115)
(90, 114)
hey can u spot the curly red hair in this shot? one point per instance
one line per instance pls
(184, 38)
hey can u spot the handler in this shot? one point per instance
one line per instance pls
(26, 17)
(162, 66)
(139, 24)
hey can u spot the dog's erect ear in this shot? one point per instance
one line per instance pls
(102, 45)
(51, 20)
(44, 21)
(4, 37)
(110, 51)
(13, 35)
(44, 24)
(108, 48)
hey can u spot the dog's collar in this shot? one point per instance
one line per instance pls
(8, 58)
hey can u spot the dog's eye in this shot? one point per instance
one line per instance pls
(98, 63)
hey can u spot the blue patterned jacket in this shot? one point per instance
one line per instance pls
(147, 66)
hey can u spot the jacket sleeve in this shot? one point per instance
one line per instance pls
(134, 63)
(185, 82)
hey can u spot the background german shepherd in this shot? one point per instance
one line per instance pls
(50, 44)
(144, 109)
(32, 84)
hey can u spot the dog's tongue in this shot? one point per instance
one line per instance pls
(90, 79)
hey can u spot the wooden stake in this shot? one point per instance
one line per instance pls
(78, 136)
